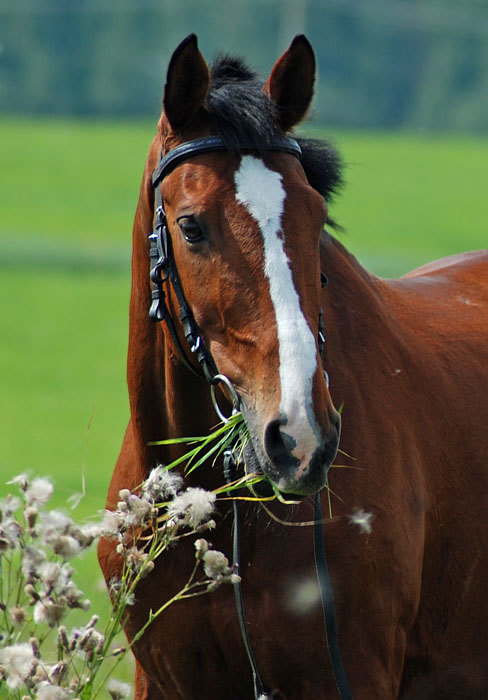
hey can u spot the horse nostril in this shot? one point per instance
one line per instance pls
(278, 445)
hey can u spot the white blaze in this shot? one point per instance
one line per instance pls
(261, 191)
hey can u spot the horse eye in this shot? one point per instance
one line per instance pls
(190, 229)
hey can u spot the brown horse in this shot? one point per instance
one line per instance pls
(408, 364)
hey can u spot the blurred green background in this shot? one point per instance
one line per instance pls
(382, 63)
(402, 93)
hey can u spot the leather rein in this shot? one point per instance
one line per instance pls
(163, 270)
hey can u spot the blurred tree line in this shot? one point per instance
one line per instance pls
(382, 63)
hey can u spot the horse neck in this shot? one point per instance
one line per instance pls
(361, 326)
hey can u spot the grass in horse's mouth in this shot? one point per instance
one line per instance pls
(232, 434)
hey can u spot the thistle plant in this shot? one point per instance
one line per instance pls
(41, 656)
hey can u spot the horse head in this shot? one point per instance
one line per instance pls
(245, 226)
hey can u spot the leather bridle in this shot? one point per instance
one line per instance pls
(163, 266)
(163, 270)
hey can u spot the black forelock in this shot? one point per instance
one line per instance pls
(244, 115)
(228, 68)
(241, 112)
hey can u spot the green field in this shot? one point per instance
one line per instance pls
(68, 191)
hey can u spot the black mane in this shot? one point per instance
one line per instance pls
(242, 113)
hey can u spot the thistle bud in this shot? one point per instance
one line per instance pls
(201, 548)
(93, 622)
(35, 647)
(31, 514)
(63, 638)
(59, 672)
(29, 590)
(124, 494)
(119, 651)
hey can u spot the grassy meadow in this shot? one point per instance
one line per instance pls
(68, 191)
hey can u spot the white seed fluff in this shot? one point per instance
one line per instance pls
(18, 661)
(39, 492)
(194, 506)
(361, 519)
(118, 690)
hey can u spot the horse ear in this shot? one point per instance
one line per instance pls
(291, 82)
(187, 84)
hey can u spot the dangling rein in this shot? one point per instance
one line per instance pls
(163, 270)
(325, 586)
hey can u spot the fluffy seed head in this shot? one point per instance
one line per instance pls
(19, 663)
(161, 485)
(39, 492)
(215, 564)
(194, 506)
(118, 690)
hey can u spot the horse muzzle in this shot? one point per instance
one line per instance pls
(291, 466)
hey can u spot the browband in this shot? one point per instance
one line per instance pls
(207, 144)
